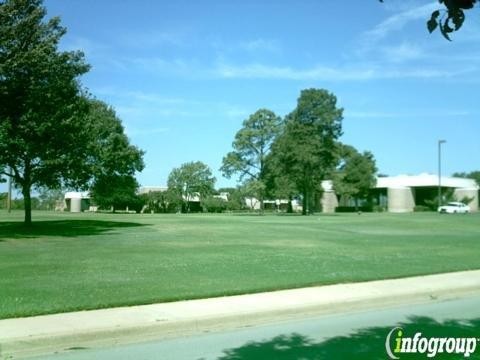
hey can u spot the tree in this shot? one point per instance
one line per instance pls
(307, 148)
(191, 180)
(355, 175)
(112, 161)
(49, 198)
(156, 201)
(236, 197)
(251, 146)
(214, 204)
(116, 192)
(279, 185)
(450, 18)
(40, 135)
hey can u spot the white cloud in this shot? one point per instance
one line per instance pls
(92, 49)
(289, 73)
(403, 52)
(159, 65)
(145, 131)
(149, 39)
(321, 72)
(396, 22)
(260, 44)
(422, 113)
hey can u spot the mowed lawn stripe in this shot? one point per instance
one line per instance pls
(69, 262)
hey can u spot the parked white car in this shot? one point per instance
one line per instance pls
(454, 208)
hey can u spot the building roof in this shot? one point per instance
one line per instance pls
(77, 195)
(148, 189)
(425, 179)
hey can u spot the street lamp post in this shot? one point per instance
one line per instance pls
(440, 142)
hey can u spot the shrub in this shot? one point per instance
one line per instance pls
(421, 208)
(214, 205)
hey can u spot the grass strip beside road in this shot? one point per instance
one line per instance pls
(70, 262)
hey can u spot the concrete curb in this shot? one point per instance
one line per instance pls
(46, 334)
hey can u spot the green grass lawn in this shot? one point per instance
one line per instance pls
(69, 262)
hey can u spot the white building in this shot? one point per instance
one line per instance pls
(77, 201)
(402, 193)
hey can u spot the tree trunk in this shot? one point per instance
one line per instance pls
(290, 207)
(356, 204)
(305, 203)
(27, 204)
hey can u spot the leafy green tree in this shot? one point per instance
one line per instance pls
(155, 201)
(190, 180)
(112, 161)
(40, 135)
(450, 18)
(116, 192)
(236, 198)
(214, 204)
(250, 148)
(355, 175)
(307, 148)
(448, 195)
(49, 198)
(279, 185)
(3, 200)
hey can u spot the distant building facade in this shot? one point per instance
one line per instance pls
(402, 193)
(76, 201)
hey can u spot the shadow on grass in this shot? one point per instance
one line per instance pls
(65, 228)
(368, 343)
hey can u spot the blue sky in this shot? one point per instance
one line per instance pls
(182, 75)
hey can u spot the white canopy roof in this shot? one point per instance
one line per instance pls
(425, 179)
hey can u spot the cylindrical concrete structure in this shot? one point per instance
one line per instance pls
(460, 194)
(329, 202)
(75, 205)
(400, 199)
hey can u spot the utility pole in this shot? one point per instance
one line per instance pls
(440, 142)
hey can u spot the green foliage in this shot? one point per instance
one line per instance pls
(355, 175)
(213, 204)
(117, 192)
(421, 208)
(153, 201)
(18, 203)
(40, 135)
(306, 151)
(51, 135)
(467, 200)
(3, 200)
(109, 149)
(189, 181)
(379, 208)
(251, 146)
(447, 196)
(451, 18)
(236, 198)
(112, 161)
(49, 198)
(160, 202)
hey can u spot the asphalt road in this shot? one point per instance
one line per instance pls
(347, 336)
